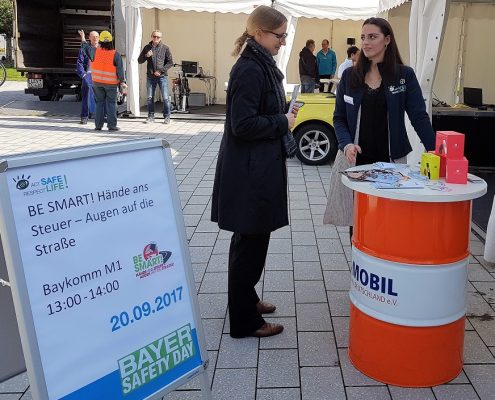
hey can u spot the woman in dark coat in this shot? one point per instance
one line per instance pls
(250, 189)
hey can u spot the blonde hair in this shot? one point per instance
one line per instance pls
(156, 31)
(264, 18)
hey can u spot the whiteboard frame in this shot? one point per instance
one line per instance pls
(15, 266)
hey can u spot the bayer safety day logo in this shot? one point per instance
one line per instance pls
(151, 260)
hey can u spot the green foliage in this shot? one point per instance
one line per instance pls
(6, 17)
(13, 75)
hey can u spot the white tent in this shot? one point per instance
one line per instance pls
(427, 24)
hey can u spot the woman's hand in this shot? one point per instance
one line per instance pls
(351, 153)
(291, 116)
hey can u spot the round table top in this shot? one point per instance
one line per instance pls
(454, 192)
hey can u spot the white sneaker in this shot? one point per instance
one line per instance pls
(150, 120)
(166, 120)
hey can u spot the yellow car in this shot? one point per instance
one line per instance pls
(313, 130)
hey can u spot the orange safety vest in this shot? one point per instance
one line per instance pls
(102, 68)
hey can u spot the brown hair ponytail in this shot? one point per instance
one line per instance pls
(239, 42)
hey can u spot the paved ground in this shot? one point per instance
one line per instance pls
(307, 276)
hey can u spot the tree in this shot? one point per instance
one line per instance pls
(6, 17)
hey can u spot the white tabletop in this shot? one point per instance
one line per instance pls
(457, 192)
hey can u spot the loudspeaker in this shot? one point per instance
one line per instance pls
(351, 41)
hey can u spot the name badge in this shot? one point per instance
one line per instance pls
(348, 99)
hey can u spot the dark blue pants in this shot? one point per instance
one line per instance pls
(105, 96)
(88, 99)
(151, 83)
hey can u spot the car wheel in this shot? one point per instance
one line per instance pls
(316, 144)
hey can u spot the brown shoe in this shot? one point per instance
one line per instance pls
(265, 308)
(268, 329)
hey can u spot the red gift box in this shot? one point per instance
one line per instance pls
(456, 170)
(450, 144)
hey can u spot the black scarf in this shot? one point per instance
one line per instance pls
(275, 77)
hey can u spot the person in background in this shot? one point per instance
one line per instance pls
(308, 71)
(372, 99)
(352, 56)
(83, 70)
(327, 63)
(250, 187)
(158, 61)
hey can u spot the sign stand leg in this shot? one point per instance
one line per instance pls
(205, 384)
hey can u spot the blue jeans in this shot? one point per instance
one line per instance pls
(307, 84)
(151, 83)
(88, 99)
(106, 96)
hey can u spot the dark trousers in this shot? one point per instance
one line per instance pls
(88, 99)
(247, 257)
(106, 100)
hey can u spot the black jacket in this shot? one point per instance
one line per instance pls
(307, 63)
(161, 60)
(250, 188)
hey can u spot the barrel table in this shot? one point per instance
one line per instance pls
(410, 256)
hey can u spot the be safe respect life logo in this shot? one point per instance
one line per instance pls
(46, 184)
(151, 260)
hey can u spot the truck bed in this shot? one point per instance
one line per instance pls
(46, 31)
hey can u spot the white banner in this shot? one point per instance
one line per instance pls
(104, 266)
(405, 294)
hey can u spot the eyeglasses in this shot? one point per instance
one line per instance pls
(156, 37)
(279, 36)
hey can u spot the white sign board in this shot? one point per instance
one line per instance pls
(101, 272)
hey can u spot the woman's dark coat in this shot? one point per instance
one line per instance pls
(250, 189)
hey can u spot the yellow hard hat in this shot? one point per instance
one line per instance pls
(105, 36)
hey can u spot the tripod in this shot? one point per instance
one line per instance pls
(180, 89)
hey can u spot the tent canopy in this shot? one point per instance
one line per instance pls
(325, 9)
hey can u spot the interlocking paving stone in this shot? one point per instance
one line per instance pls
(313, 317)
(322, 383)
(399, 393)
(214, 282)
(305, 253)
(341, 329)
(337, 280)
(339, 303)
(475, 351)
(285, 302)
(281, 262)
(278, 368)
(212, 305)
(195, 148)
(481, 377)
(317, 349)
(310, 292)
(238, 384)
(238, 353)
(16, 384)
(334, 262)
(307, 270)
(278, 281)
(455, 392)
(278, 394)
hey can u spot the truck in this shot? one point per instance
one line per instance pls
(46, 42)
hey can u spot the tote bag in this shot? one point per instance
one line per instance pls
(340, 203)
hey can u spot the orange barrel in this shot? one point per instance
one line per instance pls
(408, 282)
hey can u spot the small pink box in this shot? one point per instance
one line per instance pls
(450, 144)
(456, 170)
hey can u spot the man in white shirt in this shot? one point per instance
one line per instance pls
(352, 56)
